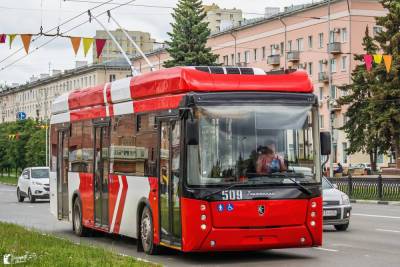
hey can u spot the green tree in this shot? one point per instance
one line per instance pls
(387, 89)
(361, 128)
(189, 36)
(35, 148)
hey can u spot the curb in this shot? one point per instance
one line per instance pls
(380, 202)
(8, 184)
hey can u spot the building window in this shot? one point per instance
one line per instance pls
(343, 35)
(321, 93)
(320, 66)
(238, 58)
(226, 60)
(333, 65)
(376, 30)
(321, 40)
(321, 121)
(332, 37)
(112, 77)
(344, 63)
(310, 68)
(255, 54)
(232, 59)
(333, 92)
(289, 45)
(263, 52)
(282, 48)
(300, 44)
(310, 41)
(247, 56)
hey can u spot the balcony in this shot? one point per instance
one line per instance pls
(274, 60)
(323, 77)
(334, 48)
(293, 56)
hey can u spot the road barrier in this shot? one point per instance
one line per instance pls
(377, 188)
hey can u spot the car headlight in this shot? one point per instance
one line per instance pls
(345, 199)
(36, 183)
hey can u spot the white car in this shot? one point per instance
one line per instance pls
(336, 206)
(34, 183)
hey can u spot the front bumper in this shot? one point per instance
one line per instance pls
(256, 239)
(40, 191)
(342, 216)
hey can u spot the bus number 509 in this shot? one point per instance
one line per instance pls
(232, 195)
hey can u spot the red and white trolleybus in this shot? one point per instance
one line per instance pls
(192, 158)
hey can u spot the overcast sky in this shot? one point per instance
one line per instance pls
(26, 16)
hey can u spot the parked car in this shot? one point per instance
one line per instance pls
(34, 183)
(336, 206)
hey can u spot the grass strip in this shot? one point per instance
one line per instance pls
(46, 250)
(8, 180)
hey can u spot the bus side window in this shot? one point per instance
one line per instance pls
(76, 161)
(53, 145)
(146, 141)
(87, 147)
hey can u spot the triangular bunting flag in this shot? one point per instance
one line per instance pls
(87, 43)
(378, 59)
(26, 40)
(2, 38)
(99, 46)
(388, 62)
(368, 61)
(76, 42)
(11, 38)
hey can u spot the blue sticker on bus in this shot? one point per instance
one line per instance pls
(229, 207)
(220, 207)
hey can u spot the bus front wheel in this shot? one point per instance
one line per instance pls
(78, 227)
(147, 232)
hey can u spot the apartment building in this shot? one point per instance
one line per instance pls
(35, 97)
(300, 38)
(111, 51)
(220, 19)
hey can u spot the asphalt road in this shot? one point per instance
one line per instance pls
(373, 239)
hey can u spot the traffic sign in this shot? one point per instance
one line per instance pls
(21, 115)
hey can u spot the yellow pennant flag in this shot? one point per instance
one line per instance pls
(378, 59)
(11, 38)
(76, 42)
(388, 62)
(26, 40)
(87, 43)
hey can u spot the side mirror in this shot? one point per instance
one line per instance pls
(325, 140)
(192, 132)
(25, 176)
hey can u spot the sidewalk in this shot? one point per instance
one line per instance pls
(381, 202)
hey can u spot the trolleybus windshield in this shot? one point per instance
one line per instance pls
(269, 144)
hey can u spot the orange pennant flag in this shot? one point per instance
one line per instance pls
(87, 43)
(388, 62)
(378, 59)
(26, 40)
(76, 43)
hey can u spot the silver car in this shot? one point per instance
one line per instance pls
(337, 207)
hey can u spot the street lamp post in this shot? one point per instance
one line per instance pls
(330, 99)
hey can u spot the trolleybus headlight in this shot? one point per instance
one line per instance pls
(202, 207)
(203, 217)
(312, 223)
(313, 204)
(313, 213)
(302, 240)
(212, 243)
(203, 227)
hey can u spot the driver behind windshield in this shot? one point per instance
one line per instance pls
(269, 161)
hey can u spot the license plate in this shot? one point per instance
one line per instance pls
(330, 212)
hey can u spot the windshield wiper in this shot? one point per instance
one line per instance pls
(299, 185)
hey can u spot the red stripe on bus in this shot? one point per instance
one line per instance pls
(108, 93)
(88, 113)
(160, 103)
(153, 200)
(86, 97)
(121, 205)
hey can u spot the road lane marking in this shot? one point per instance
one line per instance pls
(327, 249)
(387, 230)
(376, 216)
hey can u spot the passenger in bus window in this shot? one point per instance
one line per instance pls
(268, 161)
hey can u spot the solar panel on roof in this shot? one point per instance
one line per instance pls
(247, 71)
(232, 70)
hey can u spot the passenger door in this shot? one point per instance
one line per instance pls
(62, 174)
(170, 181)
(101, 170)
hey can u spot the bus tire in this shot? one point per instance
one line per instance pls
(77, 225)
(147, 232)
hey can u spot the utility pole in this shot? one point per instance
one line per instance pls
(330, 99)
